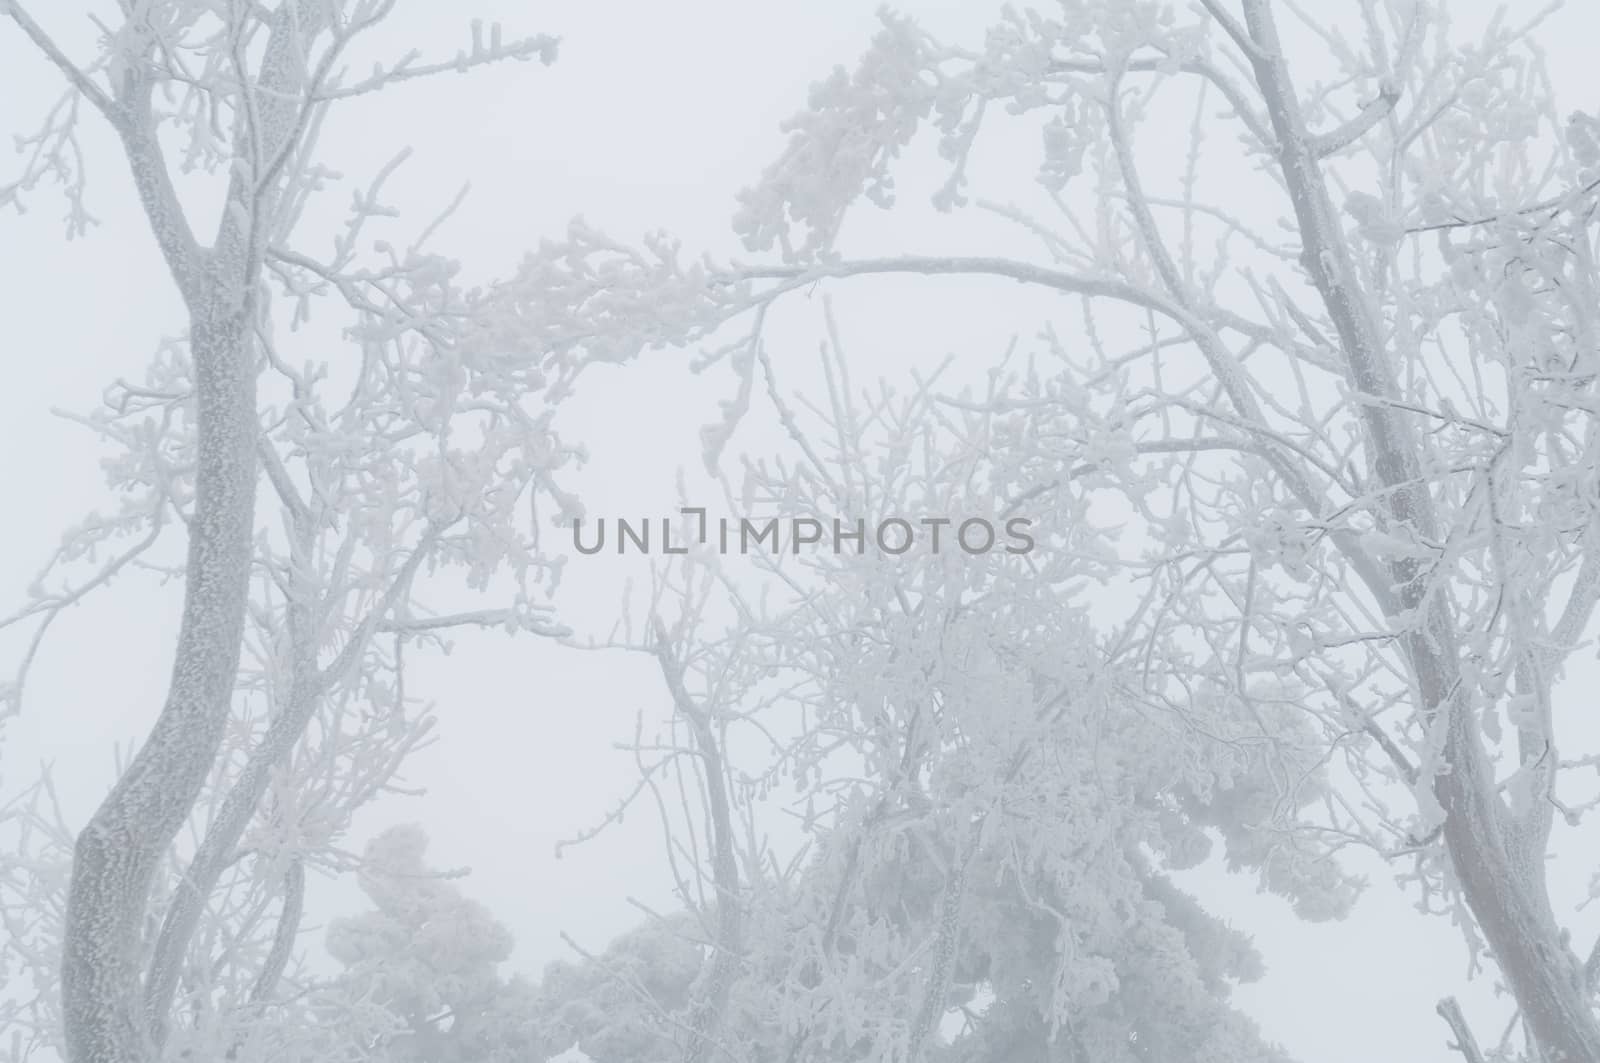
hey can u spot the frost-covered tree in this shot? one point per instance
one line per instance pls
(1332, 366)
(430, 959)
(1332, 351)
(990, 803)
(430, 956)
(384, 461)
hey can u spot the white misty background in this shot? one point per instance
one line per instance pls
(654, 118)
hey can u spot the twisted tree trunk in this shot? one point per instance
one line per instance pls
(116, 855)
(118, 852)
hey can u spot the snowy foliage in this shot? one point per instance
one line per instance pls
(1347, 402)
(1335, 375)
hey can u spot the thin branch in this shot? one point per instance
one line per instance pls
(1465, 1043)
(1371, 114)
(705, 1020)
(80, 80)
(1231, 26)
(294, 897)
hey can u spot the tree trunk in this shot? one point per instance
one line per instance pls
(1499, 879)
(120, 849)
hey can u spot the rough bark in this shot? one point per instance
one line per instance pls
(215, 854)
(308, 685)
(116, 855)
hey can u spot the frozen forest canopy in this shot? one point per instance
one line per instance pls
(1301, 404)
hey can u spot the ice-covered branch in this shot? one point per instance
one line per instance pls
(1371, 114)
(1465, 1043)
(73, 73)
(494, 50)
(706, 1017)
